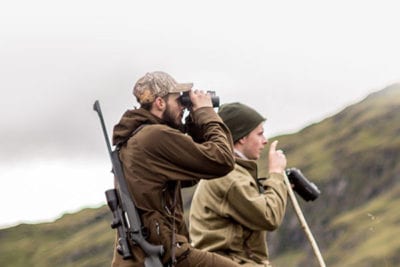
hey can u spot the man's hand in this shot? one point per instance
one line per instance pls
(276, 159)
(200, 99)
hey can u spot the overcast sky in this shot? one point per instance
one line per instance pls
(297, 62)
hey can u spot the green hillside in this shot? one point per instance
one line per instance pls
(81, 239)
(353, 157)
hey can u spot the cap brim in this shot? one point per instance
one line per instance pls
(182, 87)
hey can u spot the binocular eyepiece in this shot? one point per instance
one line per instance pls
(185, 101)
(306, 189)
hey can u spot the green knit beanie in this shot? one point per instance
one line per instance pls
(240, 119)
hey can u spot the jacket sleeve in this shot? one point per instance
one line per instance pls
(186, 159)
(257, 211)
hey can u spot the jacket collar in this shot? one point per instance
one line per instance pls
(249, 165)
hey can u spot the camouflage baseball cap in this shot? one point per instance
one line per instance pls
(155, 84)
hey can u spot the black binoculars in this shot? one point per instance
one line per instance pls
(185, 101)
(301, 185)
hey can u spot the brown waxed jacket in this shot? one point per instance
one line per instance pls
(230, 216)
(158, 160)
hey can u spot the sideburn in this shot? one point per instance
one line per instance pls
(169, 120)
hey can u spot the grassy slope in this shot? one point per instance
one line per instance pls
(81, 239)
(352, 157)
(367, 236)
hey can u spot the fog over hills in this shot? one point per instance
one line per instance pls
(297, 62)
(353, 158)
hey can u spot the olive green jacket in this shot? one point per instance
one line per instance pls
(230, 215)
(157, 160)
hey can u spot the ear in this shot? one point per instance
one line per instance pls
(242, 140)
(159, 103)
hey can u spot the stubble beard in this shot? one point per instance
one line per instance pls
(169, 119)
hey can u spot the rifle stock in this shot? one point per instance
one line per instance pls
(126, 218)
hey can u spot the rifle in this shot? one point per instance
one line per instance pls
(126, 217)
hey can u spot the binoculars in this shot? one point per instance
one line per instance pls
(185, 101)
(301, 185)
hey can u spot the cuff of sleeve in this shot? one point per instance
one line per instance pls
(205, 115)
(273, 178)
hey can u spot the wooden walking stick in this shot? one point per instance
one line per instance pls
(303, 223)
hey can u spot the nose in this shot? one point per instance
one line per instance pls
(265, 140)
(181, 107)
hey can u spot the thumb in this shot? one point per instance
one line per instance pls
(272, 148)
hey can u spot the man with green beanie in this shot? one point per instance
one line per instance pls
(232, 215)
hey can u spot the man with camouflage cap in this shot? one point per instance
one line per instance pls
(231, 215)
(158, 159)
